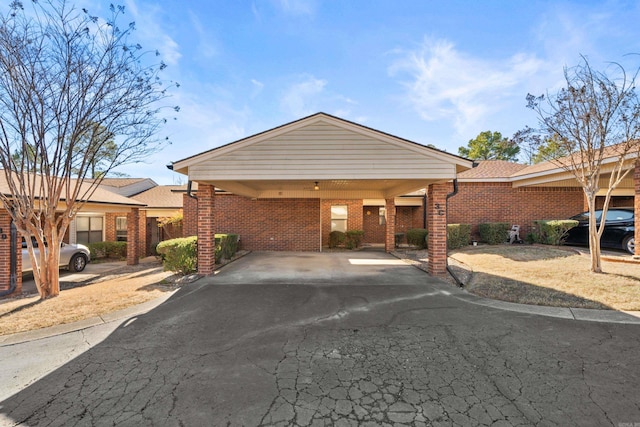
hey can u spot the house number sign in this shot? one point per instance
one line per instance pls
(439, 210)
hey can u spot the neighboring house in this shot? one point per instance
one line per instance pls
(91, 224)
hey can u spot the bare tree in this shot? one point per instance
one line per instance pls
(66, 74)
(596, 118)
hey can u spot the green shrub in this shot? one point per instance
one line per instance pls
(336, 238)
(553, 232)
(494, 233)
(117, 250)
(417, 237)
(180, 255)
(226, 246)
(353, 238)
(398, 237)
(458, 235)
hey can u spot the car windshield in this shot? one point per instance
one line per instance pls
(619, 215)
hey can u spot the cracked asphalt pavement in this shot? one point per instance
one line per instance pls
(357, 353)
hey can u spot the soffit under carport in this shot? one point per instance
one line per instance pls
(347, 160)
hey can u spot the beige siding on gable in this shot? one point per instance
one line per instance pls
(323, 151)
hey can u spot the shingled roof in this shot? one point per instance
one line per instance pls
(491, 170)
(162, 196)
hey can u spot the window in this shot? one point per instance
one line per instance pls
(339, 218)
(382, 212)
(121, 229)
(88, 229)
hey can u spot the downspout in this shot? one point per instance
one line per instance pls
(13, 261)
(424, 210)
(189, 193)
(455, 191)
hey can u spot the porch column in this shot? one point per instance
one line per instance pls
(206, 233)
(437, 225)
(636, 206)
(5, 256)
(133, 235)
(390, 228)
(189, 216)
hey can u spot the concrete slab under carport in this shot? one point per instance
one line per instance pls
(367, 267)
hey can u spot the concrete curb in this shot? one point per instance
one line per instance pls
(66, 328)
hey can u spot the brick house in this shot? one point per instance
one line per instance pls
(90, 224)
(287, 188)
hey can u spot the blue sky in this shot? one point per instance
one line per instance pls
(434, 72)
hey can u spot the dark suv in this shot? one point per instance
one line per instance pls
(618, 229)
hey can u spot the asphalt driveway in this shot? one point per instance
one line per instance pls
(396, 347)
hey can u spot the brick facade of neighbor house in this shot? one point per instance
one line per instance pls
(477, 203)
(141, 235)
(133, 236)
(636, 185)
(354, 217)
(189, 216)
(5, 256)
(269, 224)
(437, 226)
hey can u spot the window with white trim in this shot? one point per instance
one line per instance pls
(88, 229)
(121, 229)
(339, 214)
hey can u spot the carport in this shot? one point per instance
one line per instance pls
(304, 169)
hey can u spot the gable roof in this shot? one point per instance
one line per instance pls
(491, 170)
(162, 196)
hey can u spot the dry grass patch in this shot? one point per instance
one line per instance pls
(84, 302)
(548, 276)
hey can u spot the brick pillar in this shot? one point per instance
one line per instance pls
(636, 205)
(206, 233)
(5, 255)
(142, 233)
(437, 223)
(189, 216)
(133, 233)
(390, 229)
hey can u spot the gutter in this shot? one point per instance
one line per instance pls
(455, 191)
(189, 193)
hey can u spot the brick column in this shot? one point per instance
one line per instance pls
(437, 225)
(133, 234)
(189, 216)
(390, 229)
(206, 233)
(5, 255)
(636, 205)
(142, 233)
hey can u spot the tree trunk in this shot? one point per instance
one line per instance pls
(594, 237)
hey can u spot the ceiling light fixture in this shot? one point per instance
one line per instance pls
(316, 187)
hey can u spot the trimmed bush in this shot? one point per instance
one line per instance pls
(399, 237)
(179, 255)
(417, 237)
(353, 238)
(336, 238)
(553, 232)
(494, 233)
(458, 235)
(226, 246)
(117, 250)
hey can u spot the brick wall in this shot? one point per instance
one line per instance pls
(373, 231)
(5, 255)
(354, 216)
(437, 226)
(270, 224)
(189, 216)
(476, 203)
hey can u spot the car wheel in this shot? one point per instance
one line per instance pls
(78, 263)
(629, 244)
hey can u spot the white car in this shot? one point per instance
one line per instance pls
(73, 257)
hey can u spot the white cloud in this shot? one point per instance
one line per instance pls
(297, 7)
(443, 83)
(257, 87)
(300, 99)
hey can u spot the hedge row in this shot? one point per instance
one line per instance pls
(181, 255)
(351, 239)
(458, 235)
(552, 232)
(116, 250)
(494, 233)
(417, 237)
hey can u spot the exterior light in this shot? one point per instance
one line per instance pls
(316, 187)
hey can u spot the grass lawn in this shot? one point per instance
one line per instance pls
(548, 276)
(115, 293)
